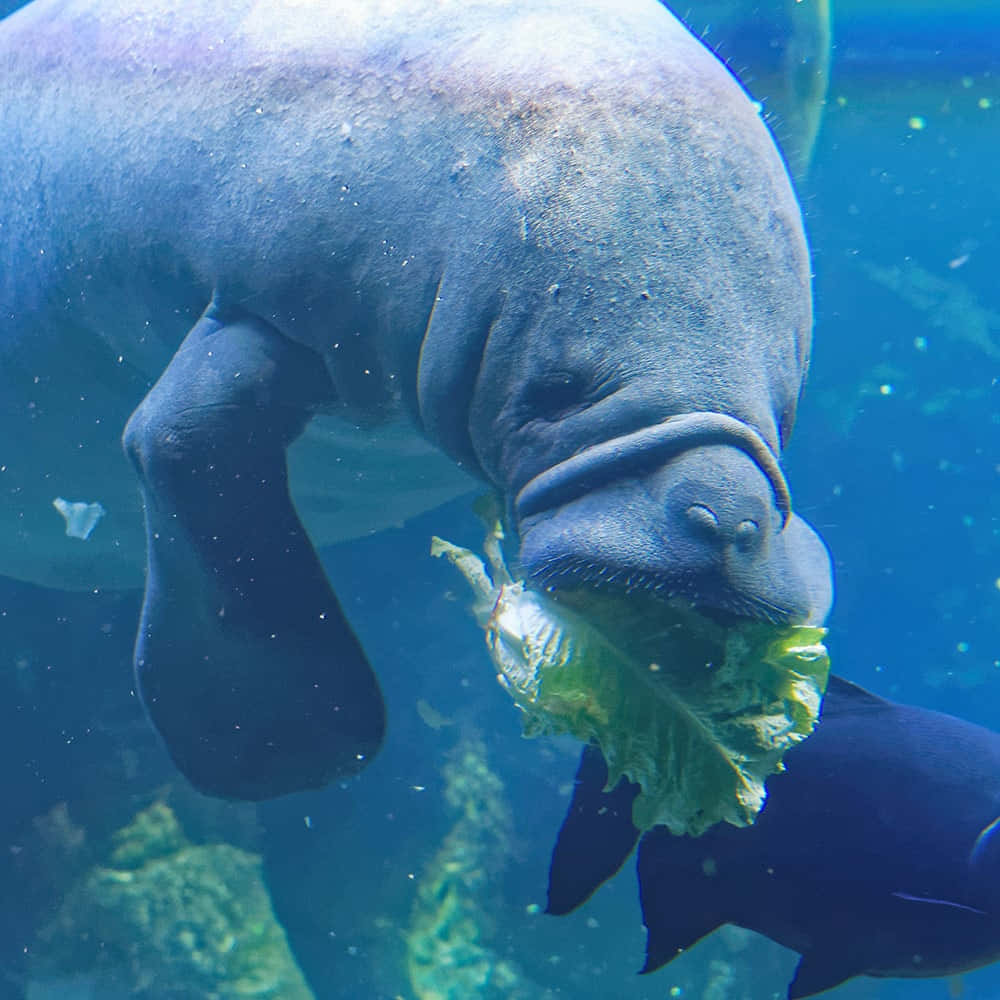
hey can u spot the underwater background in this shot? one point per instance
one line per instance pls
(423, 878)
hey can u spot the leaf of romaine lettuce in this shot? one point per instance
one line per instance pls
(700, 727)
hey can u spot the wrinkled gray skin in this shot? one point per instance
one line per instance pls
(552, 239)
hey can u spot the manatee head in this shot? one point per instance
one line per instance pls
(620, 475)
(637, 440)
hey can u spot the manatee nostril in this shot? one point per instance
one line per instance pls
(746, 535)
(703, 519)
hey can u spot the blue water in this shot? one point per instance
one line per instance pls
(895, 459)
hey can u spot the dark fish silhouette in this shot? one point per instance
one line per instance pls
(877, 852)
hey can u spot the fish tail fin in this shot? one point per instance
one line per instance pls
(819, 971)
(680, 903)
(596, 837)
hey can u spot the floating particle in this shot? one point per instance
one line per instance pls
(81, 518)
(917, 123)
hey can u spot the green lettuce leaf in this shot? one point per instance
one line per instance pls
(698, 714)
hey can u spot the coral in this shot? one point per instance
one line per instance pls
(448, 945)
(171, 920)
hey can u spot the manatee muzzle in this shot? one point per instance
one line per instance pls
(695, 507)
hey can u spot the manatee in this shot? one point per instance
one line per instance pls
(876, 852)
(324, 264)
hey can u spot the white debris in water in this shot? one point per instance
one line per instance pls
(81, 517)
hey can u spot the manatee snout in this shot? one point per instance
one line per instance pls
(709, 524)
(717, 508)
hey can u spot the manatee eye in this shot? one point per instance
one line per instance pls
(553, 396)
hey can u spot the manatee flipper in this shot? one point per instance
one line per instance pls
(596, 837)
(244, 659)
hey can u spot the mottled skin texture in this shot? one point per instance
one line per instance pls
(875, 853)
(529, 232)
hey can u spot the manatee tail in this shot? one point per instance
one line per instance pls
(596, 837)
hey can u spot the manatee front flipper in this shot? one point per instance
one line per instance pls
(244, 659)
